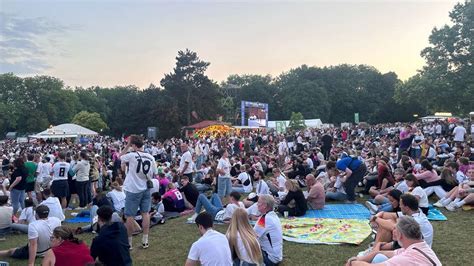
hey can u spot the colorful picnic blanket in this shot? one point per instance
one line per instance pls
(340, 211)
(325, 231)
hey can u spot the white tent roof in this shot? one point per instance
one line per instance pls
(65, 131)
(311, 123)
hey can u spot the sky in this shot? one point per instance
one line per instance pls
(111, 43)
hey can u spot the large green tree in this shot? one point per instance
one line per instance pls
(446, 82)
(195, 95)
(92, 121)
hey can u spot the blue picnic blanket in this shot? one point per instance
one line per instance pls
(340, 211)
(435, 214)
(76, 219)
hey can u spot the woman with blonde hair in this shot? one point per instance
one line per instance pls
(295, 194)
(243, 240)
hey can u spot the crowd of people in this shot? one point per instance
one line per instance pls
(128, 185)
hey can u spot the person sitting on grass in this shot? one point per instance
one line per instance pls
(416, 190)
(392, 203)
(215, 209)
(400, 184)
(269, 232)
(157, 208)
(6, 213)
(294, 194)
(414, 250)
(385, 221)
(189, 190)
(53, 204)
(316, 197)
(173, 200)
(243, 240)
(39, 234)
(261, 188)
(27, 216)
(212, 248)
(67, 249)
(242, 183)
(464, 194)
(277, 182)
(111, 246)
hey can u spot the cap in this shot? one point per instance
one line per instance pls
(252, 195)
(42, 210)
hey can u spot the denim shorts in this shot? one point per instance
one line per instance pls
(224, 186)
(136, 201)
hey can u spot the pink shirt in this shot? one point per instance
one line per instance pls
(428, 176)
(410, 256)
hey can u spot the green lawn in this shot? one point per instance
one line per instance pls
(170, 243)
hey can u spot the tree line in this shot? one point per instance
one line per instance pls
(187, 95)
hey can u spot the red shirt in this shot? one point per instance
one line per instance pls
(72, 254)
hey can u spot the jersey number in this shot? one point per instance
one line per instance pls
(178, 195)
(62, 171)
(143, 165)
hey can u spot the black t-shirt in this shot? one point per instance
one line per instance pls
(327, 141)
(23, 172)
(191, 193)
(5, 164)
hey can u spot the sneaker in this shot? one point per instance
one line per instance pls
(451, 207)
(145, 245)
(439, 204)
(365, 252)
(372, 207)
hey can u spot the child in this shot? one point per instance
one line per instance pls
(158, 208)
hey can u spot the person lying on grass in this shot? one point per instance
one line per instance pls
(215, 209)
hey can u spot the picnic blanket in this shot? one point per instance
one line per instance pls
(340, 211)
(435, 214)
(77, 219)
(325, 231)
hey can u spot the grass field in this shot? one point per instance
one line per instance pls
(170, 243)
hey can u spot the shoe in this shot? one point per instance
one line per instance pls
(365, 252)
(145, 245)
(439, 204)
(372, 207)
(451, 207)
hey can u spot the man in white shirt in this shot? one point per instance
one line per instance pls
(212, 248)
(83, 185)
(141, 168)
(269, 232)
(53, 204)
(282, 151)
(60, 186)
(224, 185)
(186, 162)
(459, 131)
(39, 234)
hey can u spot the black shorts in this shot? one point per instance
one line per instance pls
(30, 187)
(60, 188)
(22, 253)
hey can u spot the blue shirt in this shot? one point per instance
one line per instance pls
(352, 163)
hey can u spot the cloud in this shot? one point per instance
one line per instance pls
(24, 42)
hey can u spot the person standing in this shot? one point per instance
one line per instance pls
(459, 131)
(31, 167)
(141, 168)
(186, 162)
(60, 186)
(18, 184)
(224, 184)
(83, 186)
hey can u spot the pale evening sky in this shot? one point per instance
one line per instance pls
(110, 43)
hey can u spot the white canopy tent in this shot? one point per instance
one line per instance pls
(64, 131)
